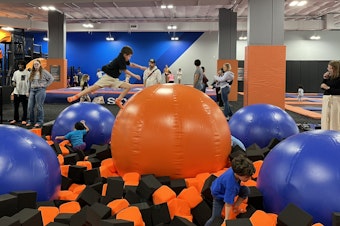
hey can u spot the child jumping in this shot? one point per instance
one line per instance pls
(225, 188)
(111, 77)
(76, 137)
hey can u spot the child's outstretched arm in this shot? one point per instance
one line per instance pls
(134, 65)
(127, 72)
(86, 127)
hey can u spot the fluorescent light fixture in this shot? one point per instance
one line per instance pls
(293, 3)
(172, 27)
(302, 3)
(315, 37)
(170, 6)
(7, 28)
(174, 38)
(163, 6)
(298, 3)
(45, 39)
(167, 6)
(110, 38)
(88, 25)
(242, 38)
(48, 8)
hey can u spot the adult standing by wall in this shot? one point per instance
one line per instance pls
(39, 80)
(224, 82)
(198, 76)
(152, 75)
(330, 116)
(20, 92)
(179, 75)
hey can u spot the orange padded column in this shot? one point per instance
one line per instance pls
(265, 75)
(234, 68)
(58, 68)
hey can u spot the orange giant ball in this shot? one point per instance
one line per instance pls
(170, 130)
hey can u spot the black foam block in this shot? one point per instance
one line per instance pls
(201, 213)
(26, 199)
(63, 218)
(160, 214)
(146, 212)
(9, 221)
(164, 180)
(147, 185)
(65, 182)
(217, 221)
(239, 222)
(116, 222)
(250, 210)
(265, 151)
(180, 221)
(79, 218)
(103, 211)
(29, 217)
(255, 198)
(88, 197)
(273, 142)
(56, 148)
(293, 215)
(98, 187)
(206, 192)
(76, 174)
(115, 187)
(46, 129)
(94, 162)
(255, 155)
(56, 224)
(45, 203)
(253, 147)
(130, 194)
(336, 219)
(8, 205)
(92, 217)
(71, 159)
(102, 151)
(90, 176)
(177, 185)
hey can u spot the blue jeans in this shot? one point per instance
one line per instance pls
(218, 204)
(224, 95)
(36, 100)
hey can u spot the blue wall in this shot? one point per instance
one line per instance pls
(91, 51)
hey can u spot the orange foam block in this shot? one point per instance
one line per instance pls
(69, 207)
(133, 214)
(191, 195)
(163, 194)
(179, 207)
(48, 213)
(260, 218)
(131, 179)
(118, 205)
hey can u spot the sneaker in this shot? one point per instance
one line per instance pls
(12, 122)
(28, 124)
(37, 125)
(23, 123)
(118, 102)
(72, 98)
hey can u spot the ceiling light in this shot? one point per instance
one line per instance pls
(170, 6)
(167, 6)
(7, 28)
(315, 37)
(163, 6)
(110, 38)
(45, 39)
(174, 38)
(293, 3)
(88, 25)
(242, 38)
(48, 8)
(302, 3)
(172, 27)
(298, 3)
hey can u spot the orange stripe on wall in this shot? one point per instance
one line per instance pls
(234, 68)
(265, 75)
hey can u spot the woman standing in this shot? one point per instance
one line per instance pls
(224, 82)
(330, 117)
(39, 79)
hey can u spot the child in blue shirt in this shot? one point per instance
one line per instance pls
(76, 137)
(225, 188)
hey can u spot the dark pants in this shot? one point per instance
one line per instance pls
(23, 99)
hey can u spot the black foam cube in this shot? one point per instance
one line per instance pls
(63, 218)
(239, 222)
(116, 222)
(94, 162)
(255, 155)
(46, 129)
(103, 211)
(45, 203)
(273, 142)
(65, 182)
(160, 214)
(98, 187)
(71, 159)
(76, 174)
(115, 187)
(90, 176)
(56, 148)
(29, 217)
(206, 192)
(201, 213)
(255, 198)
(79, 218)
(146, 212)
(9, 221)
(336, 219)
(217, 221)
(102, 151)
(130, 194)
(265, 151)
(8, 205)
(250, 210)
(147, 185)
(164, 180)
(177, 185)
(26, 199)
(92, 217)
(180, 221)
(293, 215)
(56, 224)
(88, 197)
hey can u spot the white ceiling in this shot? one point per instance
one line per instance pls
(147, 15)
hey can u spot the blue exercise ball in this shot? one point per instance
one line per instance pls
(304, 170)
(98, 118)
(27, 162)
(260, 123)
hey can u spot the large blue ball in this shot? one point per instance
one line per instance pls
(98, 118)
(304, 169)
(27, 162)
(260, 123)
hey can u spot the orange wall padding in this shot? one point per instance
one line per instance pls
(265, 75)
(62, 83)
(234, 68)
(5, 36)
